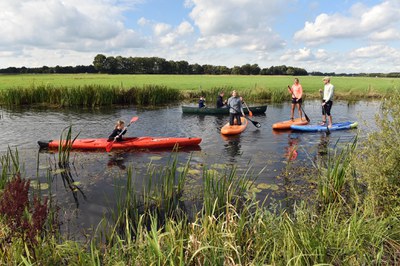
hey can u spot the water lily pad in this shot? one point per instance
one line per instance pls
(155, 158)
(58, 171)
(76, 183)
(36, 185)
(268, 186)
(44, 167)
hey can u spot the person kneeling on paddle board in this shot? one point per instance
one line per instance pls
(235, 108)
(118, 131)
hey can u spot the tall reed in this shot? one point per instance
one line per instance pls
(88, 95)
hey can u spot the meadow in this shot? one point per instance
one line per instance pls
(345, 86)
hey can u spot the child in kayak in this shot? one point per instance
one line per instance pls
(118, 131)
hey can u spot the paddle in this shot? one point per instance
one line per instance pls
(255, 123)
(250, 112)
(110, 145)
(301, 106)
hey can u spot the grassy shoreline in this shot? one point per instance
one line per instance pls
(189, 87)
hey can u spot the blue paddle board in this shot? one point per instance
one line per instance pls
(316, 128)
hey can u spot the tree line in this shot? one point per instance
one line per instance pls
(156, 65)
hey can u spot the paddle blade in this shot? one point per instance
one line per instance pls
(134, 119)
(308, 119)
(109, 146)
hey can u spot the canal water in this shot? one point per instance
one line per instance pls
(89, 192)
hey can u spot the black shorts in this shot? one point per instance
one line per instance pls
(326, 109)
(294, 101)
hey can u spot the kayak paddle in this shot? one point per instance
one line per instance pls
(301, 106)
(110, 145)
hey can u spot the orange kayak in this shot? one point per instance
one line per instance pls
(134, 143)
(286, 124)
(227, 129)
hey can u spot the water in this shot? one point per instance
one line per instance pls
(90, 190)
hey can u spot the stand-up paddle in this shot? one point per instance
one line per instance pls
(301, 106)
(110, 145)
(255, 123)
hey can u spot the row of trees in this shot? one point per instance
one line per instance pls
(157, 65)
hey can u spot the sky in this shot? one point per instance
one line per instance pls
(341, 36)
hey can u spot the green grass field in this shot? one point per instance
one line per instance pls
(195, 82)
(110, 89)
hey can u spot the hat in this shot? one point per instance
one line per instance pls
(327, 78)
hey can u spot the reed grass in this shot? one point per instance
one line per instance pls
(105, 90)
(88, 95)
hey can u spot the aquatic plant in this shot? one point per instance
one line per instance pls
(333, 171)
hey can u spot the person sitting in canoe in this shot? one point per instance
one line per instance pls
(235, 109)
(202, 102)
(221, 103)
(118, 131)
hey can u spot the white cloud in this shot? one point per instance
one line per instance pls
(363, 21)
(237, 22)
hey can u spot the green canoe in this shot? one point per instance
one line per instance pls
(219, 111)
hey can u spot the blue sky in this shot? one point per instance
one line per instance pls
(342, 36)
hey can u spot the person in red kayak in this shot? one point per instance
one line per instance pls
(297, 93)
(118, 131)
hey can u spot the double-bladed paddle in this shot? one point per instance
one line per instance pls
(301, 106)
(110, 145)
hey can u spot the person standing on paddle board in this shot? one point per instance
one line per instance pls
(297, 93)
(327, 101)
(118, 131)
(235, 109)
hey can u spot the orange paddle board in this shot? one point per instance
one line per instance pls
(286, 124)
(235, 129)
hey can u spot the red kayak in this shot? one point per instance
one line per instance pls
(126, 143)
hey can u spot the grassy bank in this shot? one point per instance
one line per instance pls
(253, 88)
(350, 217)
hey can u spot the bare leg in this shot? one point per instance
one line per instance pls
(300, 112)
(292, 112)
(330, 121)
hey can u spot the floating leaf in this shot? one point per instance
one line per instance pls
(155, 158)
(76, 183)
(58, 171)
(36, 185)
(268, 186)
(44, 167)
